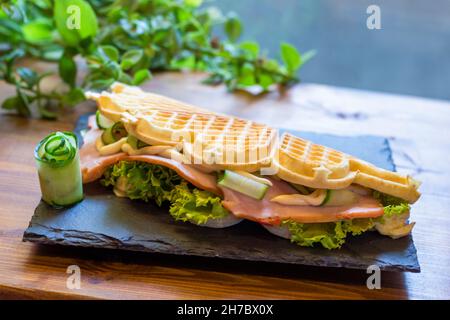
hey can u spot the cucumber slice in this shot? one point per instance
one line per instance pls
(300, 188)
(327, 198)
(247, 186)
(135, 143)
(336, 198)
(114, 133)
(102, 121)
(107, 136)
(118, 131)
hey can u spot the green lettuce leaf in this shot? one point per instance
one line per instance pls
(358, 226)
(143, 181)
(394, 221)
(195, 205)
(392, 206)
(330, 235)
(153, 182)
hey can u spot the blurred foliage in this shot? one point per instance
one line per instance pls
(126, 40)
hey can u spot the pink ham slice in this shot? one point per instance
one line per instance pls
(272, 213)
(93, 165)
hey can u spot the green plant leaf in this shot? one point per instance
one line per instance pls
(37, 31)
(67, 69)
(74, 97)
(251, 48)
(308, 56)
(271, 64)
(100, 84)
(47, 114)
(213, 79)
(193, 3)
(136, 38)
(291, 57)
(125, 78)
(23, 104)
(233, 27)
(141, 76)
(10, 27)
(43, 4)
(131, 58)
(111, 52)
(75, 20)
(11, 103)
(266, 80)
(185, 63)
(52, 52)
(28, 76)
(247, 77)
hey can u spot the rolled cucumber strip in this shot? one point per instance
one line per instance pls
(245, 185)
(58, 165)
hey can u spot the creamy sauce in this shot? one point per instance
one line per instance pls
(122, 146)
(120, 189)
(314, 199)
(150, 150)
(395, 227)
(109, 149)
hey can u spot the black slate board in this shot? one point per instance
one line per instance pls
(105, 221)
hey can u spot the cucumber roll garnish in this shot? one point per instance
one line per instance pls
(59, 171)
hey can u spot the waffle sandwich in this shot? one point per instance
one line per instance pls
(215, 170)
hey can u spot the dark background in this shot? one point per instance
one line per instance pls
(409, 55)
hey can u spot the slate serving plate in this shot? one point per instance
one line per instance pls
(105, 221)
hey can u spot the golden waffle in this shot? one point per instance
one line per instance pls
(215, 141)
(231, 143)
(219, 142)
(208, 139)
(303, 162)
(133, 100)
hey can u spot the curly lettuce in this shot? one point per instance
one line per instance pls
(393, 207)
(394, 222)
(333, 235)
(195, 205)
(144, 181)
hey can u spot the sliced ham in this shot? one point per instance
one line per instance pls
(93, 165)
(272, 213)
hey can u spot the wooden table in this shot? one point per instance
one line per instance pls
(419, 130)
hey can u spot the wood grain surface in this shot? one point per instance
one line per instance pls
(419, 132)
